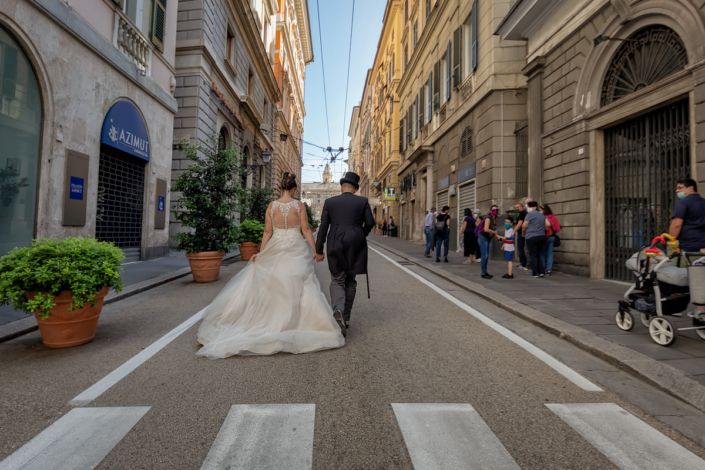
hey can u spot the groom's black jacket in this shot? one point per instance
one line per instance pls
(346, 221)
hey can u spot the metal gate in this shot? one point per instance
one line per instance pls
(441, 200)
(466, 200)
(644, 157)
(120, 200)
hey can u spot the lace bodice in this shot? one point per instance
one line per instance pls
(283, 218)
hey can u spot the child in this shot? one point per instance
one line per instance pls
(508, 247)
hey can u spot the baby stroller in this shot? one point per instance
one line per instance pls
(665, 285)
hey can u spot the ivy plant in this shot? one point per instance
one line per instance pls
(31, 277)
(209, 198)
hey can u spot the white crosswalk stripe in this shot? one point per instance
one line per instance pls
(623, 438)
(79, 440)
(264, 436)
(450, 436)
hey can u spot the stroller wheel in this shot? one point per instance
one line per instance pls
(699, 324)
(661, 331)
(624, 320)
(645, 319)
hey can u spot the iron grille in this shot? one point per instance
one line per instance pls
(644, 157)
(120, 200)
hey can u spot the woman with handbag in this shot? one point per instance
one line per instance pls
(553, 226)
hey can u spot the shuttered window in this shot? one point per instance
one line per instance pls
(466, 142)
(402, 144)
(429, 97)
(422, 107)
(437, 86)
(441, 199)
(159, 24)
(473, 38)
(447, 72)
(457, 43)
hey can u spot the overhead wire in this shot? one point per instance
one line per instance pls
(347, 83)
(323, 67)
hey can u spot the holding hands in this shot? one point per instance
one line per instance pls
(318, 258)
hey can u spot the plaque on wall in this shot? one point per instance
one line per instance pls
(75, 189)
(160, 205)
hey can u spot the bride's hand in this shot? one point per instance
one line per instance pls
(253, 258)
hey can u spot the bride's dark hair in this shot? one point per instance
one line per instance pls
(288, 182)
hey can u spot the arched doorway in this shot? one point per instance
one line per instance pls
(645, 155)
(124, 154)
(20, 134)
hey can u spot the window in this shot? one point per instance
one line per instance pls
(428, 8)
(230, 45)
(467, 46)
(415, 35)
(447, 73)
(223, 139)
(406, 55)
(466, 142)
(406, 11)
(414, 118)
(149, 16)
(421, 108)
(250, 82)
(457, 42)
(429, 97)
(402, 144)
(437, 86)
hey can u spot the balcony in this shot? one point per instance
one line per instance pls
(130, 41)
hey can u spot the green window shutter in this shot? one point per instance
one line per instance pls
(159, 24)
(473, 39)
(457, 43)
(422, 108)
(437, 86)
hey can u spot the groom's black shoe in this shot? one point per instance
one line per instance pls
(339, 320)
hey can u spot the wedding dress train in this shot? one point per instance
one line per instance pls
(274, 304)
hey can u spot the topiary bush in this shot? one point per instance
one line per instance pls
(80, 265)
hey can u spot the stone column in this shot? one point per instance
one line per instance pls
(534, 72)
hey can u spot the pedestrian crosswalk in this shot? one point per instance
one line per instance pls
(281, 436)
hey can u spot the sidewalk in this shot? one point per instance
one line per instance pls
(137, 277)
(580, 303)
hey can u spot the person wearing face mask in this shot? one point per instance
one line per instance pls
(688, 218)
(489, 231)
(535, 228)
(508, 247)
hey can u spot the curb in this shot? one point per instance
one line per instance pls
(26, 325)
(665, 377)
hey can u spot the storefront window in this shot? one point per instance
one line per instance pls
(20, 128)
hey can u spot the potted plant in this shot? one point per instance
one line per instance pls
(63, 283)
(249, 236)
(208, 202)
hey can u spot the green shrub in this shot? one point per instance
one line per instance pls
(209, 199)
(250, 231)
(80, 265)
(254, 203)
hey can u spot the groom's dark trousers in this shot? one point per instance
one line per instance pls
(346, 220)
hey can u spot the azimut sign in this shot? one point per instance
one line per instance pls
(125, 129)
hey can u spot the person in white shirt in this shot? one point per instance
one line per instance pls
(428, 230)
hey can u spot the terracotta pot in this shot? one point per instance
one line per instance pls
(205, 266)
(65, 327)
(248, 249)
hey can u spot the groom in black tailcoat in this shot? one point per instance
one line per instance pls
(346, 221)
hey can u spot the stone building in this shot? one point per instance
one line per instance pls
(381, 107)
(225, 82)
(616, 114)
(315, 194)
(463, 112)
(86, 121)
(293, 51)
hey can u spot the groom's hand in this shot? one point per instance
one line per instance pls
(318, 258)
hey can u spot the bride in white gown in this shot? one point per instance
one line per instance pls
(275, 304)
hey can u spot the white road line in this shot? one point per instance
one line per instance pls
(626, 440)
(97, 389)
(543, 356)
(79, 440)
(450, 436)
(264, 436)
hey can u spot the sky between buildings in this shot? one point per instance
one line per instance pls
(335, 34)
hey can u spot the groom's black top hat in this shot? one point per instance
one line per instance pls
(351, 178)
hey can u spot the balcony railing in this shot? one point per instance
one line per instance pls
(130, 41)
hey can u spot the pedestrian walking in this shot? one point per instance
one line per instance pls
(535, 227)
(470, 246)
(442, 234)
(553, 226)
(688, 218)
(508, 247)
(428, 226)
(489, 232)
(392, 227)
(520, 238)
(385, 228)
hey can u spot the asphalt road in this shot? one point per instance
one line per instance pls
(421, 383)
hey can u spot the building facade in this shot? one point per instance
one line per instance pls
(616, 113)
(315, 194)
(293, 50)
(462, 100)
(87, 151)
(379, 110)
(225, 83)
